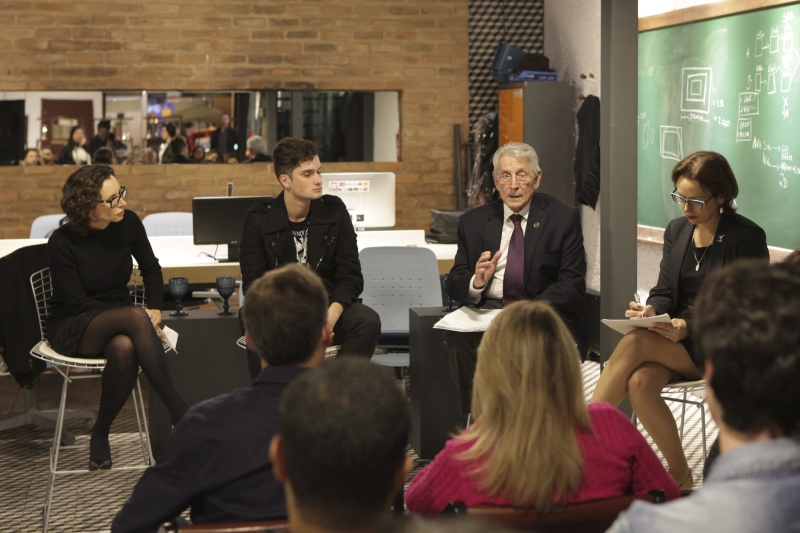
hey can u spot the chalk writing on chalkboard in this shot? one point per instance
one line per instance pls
(730, 85)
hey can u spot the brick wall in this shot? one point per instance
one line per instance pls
(416, 47)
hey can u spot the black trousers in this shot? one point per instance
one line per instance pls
(357, 331)
(462, 357)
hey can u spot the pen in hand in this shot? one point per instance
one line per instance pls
(638, 301)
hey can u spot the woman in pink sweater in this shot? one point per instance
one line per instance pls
(534, 443)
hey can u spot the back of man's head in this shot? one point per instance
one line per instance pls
(170, 127)
(747, 327)
(178, 145)
(284, 313)
(344, 428)
(104, 156)
(289, 153)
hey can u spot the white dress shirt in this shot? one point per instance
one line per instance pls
(496, 289)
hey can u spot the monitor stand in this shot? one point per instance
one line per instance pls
(233, 253)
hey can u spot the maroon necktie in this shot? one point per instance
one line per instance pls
(513, 288)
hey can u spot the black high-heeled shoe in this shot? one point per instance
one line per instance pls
(99, 455)
(99, 464)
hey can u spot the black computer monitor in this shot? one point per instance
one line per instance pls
(219, 220)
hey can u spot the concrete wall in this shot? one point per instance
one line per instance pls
(572, 42)
(416, 47)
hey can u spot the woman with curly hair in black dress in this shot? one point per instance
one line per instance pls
(92, 315)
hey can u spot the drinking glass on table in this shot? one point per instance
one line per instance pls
(225, 287)
(178, 288)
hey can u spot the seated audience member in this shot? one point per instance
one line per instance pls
(217, 458)
(747, 331)
(74, 152)
(793, 260)
(104, 156)
(232, 159)
(534, 442)
(257, 150)
(180, 151)
(31, 158)
(213, 156)
(199, 153)
(48, 157)
(341, 449)
(301, 225)
(150, 157)
(101, 139)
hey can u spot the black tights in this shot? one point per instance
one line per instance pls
(125, 337)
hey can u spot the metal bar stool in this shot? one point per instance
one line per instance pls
(42, 286)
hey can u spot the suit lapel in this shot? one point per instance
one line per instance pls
(537, 216)
(679, 250)
(492, 234)
(493, 228)
(717, 253)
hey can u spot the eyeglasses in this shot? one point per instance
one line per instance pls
(522, 177)
(697, 205)
(114, 201)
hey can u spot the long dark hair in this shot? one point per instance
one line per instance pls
(81, 193)
(71, 143)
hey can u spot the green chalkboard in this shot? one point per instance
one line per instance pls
(730, 85)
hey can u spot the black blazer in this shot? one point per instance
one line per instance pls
(267, 243)
(555, 261)
(736, 237)
(19, 322)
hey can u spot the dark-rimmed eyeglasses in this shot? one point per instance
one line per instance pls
(114, 200)
(697, 205)
(522, 177)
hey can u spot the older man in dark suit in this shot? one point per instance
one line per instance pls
(523, 246)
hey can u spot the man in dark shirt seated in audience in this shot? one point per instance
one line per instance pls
(341, 449)
(217, 458)
(746, 328)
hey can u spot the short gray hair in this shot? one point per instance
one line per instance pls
(257, 144)
(519, 151)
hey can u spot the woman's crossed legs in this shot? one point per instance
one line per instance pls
(125, 337)
(643, 363)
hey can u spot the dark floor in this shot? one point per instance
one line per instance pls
(88, 503)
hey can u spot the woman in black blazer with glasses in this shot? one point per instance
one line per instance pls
(708, 236)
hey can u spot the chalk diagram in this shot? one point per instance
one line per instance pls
(696, 90)
(672, 142)
(781, 70)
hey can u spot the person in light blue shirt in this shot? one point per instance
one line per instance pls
(747, 329)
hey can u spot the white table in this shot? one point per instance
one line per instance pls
(179, 256)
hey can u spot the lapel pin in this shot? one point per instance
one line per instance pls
(535, 224)
(719, 239)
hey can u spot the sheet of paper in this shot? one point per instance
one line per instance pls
(467, 319)
(171, 336)
(626, 325)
